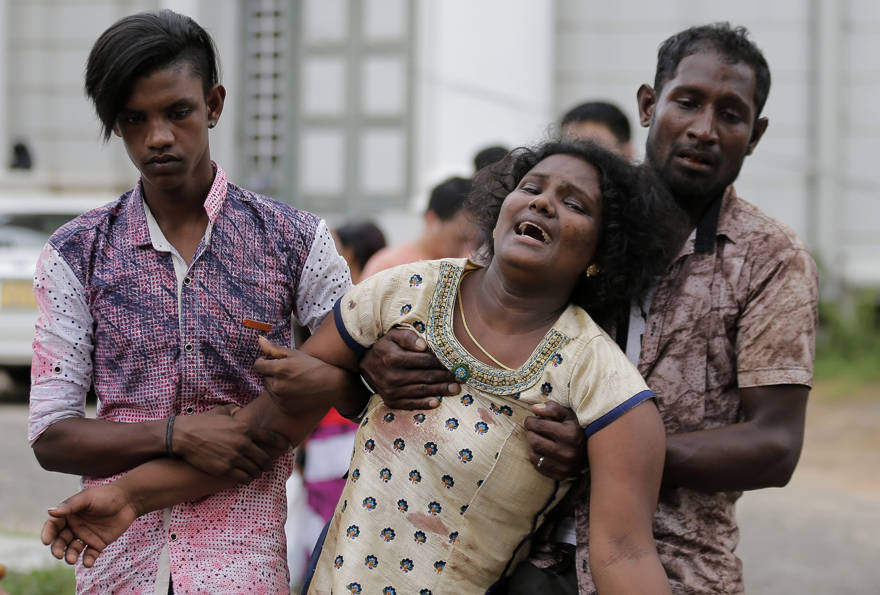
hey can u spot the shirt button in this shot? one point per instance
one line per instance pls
(187, 280)
(188, 347)
(189, 410)
(173, 536)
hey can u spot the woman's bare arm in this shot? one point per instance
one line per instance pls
(626, 465)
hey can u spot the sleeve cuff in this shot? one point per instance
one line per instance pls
(609, 417)
(356, 347)
(750, 378)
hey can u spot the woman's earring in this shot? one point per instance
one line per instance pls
(211, 124)
(592, 270)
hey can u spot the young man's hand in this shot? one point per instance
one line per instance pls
(87, 522)
(296, 380)
(400, 368)
(558, 446)
(221, 445)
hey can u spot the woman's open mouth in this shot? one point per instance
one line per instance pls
(530, 230)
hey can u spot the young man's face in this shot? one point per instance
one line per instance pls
(164, 125)
(702, 126)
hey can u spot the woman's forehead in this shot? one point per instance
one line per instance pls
(570, 169)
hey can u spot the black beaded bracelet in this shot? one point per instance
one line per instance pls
(169, 432)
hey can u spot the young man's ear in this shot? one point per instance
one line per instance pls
(214, 100)
(116, 130)
(647, 100)
(757, 132)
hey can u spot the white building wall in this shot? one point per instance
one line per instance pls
(47, 43)
(858, 188)
(484, 76)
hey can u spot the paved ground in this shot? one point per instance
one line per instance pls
(821, 534)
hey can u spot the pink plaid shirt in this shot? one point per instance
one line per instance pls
(154, 342)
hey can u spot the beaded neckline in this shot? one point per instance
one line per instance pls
(466, 367)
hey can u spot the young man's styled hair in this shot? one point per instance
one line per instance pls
(732, 43)
(139, 45)
(448, 197)
(601, 112)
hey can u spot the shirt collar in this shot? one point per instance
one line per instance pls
(726, 224)
(712, 223)
(138, 226)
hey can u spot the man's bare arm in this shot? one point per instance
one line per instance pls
(759, 452)
(214, 442)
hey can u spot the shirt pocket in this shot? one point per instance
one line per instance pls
(260, 299)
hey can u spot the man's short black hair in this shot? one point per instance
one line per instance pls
(139, 45)
(602, 112)
(448, 197)
(732, 43)
(365, 238)
(488, 156)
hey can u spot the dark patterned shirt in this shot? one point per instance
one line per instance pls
(120, 308)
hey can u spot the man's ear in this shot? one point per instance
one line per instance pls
(647, 100)
(757, 132)
(214, 100)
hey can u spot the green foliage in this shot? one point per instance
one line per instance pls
(57, 580)
(848, 343)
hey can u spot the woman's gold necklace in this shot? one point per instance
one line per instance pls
(468, 331)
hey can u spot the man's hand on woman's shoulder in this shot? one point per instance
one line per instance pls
(400, 368)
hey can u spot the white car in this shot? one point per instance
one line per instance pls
(26, 222)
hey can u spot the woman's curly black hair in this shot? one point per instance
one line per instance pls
(639, 223)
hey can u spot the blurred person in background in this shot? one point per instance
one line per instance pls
(358, 242)
(489, 155)
(448, 231)
(601, 122)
